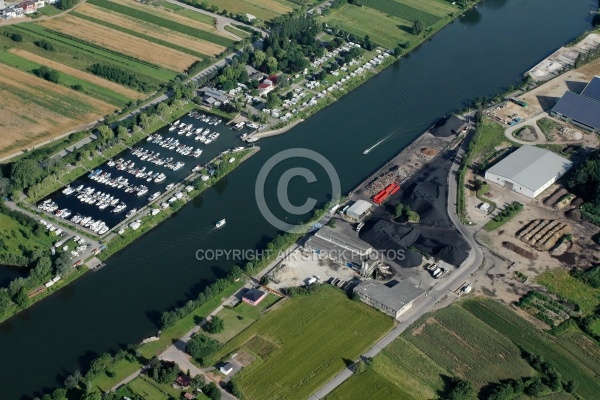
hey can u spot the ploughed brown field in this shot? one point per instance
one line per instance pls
(35, 110)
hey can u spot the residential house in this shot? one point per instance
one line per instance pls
(226, 368)
(2, 5)
(213, 97)
(9, 13)
(183, 381)
(39, 4)
(253, 296)
(28, 7)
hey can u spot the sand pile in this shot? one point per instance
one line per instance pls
(429, 152)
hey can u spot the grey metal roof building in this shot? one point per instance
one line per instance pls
(529, 170)
(338, 247)
(393, 300)
(358, 209)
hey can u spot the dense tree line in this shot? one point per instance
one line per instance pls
(43, 44)
(121, 77)
(585, 182)
(162, 371)
(66, 4)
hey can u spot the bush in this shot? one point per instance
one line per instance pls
(200, 347)
(46, 73)
(44, 45)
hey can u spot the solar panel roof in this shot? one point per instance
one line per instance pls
(592, 90)
(580, 109)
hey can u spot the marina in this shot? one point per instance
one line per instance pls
(116, 190)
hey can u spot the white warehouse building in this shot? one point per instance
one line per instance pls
(529, 170)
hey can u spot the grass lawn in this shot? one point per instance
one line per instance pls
(49, 10)
(304, 343)
(121, 369)
(546, 125)
(236, 31)
(147, 390)
(489, 135)
(181, 327)
(198, 16)
(561, 283)
(569, 362)
(596, 327)
(240, 317)
(15, 236)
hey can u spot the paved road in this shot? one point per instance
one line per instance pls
(435, 296)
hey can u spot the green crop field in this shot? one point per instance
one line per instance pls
(79, 54)
(262, 9)
(304, 343)
(389, 22)
(372, 386)
(477, 340)
(164, 22)
(467, 347)
(568, 362)
(88, 88)
(398, 9)
(561, 283)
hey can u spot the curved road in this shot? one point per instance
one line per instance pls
(432, 298)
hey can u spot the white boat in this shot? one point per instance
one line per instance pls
(197, 153)
(160, 178)
(169, 186)
(154, 196)
(131, 213)
(220, 223)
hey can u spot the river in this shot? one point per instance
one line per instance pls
(480, 54)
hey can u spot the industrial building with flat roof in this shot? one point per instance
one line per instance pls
(529, 170)
(339, 247)
(393, 298)
(581, 109)
(358, 209)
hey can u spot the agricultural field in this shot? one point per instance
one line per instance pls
(50, 109)
(562, 284)
(476, 340)
(466, 347)
(265, 10)
(304, 343)
(571, 362)
(143, 30)
(389, 22)
(120, 42)
(120, 39)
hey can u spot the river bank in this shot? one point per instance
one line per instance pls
(122, 302)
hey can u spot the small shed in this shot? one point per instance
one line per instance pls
(226, 368)
(184, 381)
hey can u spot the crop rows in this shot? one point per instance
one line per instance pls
(524, 334)
(403, 11)
(165, 23)
(99, 53)
(141, 35)
(460, 343)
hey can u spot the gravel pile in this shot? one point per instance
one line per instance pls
(426, 194)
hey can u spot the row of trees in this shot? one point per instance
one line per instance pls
(122, 77)
(585, 182)
(51, 75)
